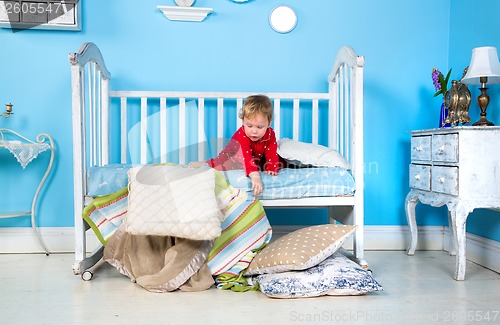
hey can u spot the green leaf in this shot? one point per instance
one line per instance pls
(443, 81)
(447, 77)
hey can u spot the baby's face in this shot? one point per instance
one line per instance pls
(255, 127)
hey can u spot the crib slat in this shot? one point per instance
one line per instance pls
(346, 117)
(201, 129)
(341, 131)
(347, 112)
(98, 102)
(296, 116)
(92, 114)
(239, 105)
(144, 130)
(220, 124)
(105, 120)
(315, 121)
(277, 118)
(163, 130)
(182, 131)
(96, 115)
(92, 118)
(332, 113)
(123, 130)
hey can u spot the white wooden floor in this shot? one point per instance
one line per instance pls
(36, 289)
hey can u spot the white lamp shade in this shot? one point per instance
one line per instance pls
(484, 63)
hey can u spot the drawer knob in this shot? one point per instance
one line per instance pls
(417, 177)
(418, 148)
(441, 149)
(441, 180)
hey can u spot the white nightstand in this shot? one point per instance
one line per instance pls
(459, 167)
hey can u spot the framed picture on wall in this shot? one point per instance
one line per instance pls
(41, 14)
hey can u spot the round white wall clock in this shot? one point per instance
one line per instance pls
(283, 19)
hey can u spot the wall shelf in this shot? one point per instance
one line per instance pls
(177, 13)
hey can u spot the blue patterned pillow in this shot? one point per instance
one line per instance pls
(335, 276)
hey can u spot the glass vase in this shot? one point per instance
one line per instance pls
(442, 116)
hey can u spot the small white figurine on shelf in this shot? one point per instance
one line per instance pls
(184, 3)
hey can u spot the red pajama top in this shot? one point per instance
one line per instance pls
(243, 153)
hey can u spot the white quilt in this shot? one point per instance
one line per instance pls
(173, 200)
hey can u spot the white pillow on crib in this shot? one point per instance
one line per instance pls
(302, 153)
(173, 200)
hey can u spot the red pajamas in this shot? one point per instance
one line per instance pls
(243, 153)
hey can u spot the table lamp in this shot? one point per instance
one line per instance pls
(484, 68)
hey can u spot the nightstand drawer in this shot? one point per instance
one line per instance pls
(421, 148)
(420, 177)
(445, 180)
(445, 147)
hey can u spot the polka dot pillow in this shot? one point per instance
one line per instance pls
(301, 249)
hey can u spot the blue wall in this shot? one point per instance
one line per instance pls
(235, 49)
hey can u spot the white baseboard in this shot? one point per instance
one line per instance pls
(57, 240)
(387, 237)
(480, 250)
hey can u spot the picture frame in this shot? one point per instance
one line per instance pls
(41, 14)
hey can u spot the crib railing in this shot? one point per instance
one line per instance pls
(93, 107)
(222, 106)
(138, 126)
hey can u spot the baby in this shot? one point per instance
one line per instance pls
(253, 146)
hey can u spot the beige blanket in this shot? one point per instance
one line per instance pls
(160, 263)
(167, 263)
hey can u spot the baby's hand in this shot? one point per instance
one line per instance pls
(269, 172)
(256, 183)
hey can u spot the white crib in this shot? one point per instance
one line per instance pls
(127, 126)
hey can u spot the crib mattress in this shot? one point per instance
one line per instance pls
(291, 183)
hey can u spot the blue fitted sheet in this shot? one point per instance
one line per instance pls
(290, 182)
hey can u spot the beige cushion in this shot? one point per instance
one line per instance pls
(301, 249)
(173, 200)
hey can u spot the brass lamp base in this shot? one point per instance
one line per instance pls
(483, 122)
(483, 100)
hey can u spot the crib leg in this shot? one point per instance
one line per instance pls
(88, 274)
(360, 261)
(345, 215)
(87, 263)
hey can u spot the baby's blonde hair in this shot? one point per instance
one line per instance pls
(257, 104)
